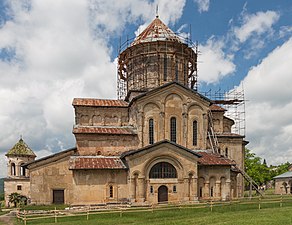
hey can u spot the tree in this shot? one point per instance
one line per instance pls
(257, 170)
(17, 199)
(260, 172)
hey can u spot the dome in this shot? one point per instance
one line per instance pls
(156, 31)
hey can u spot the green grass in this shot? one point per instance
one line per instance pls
(43, 207)
(2, 213)
(234, 214)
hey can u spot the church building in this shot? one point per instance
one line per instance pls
(160, 141)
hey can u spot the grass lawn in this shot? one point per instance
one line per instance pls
(220, 215)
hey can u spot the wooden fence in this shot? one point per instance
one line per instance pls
(28, 215)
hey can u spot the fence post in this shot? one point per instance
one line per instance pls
(24, 218)
(259, 202)
(87, 216)
(152, 206)
(18, 215)
(230, 203)
(121, 213)
(211, 206)
(56, 215)
(281, 202)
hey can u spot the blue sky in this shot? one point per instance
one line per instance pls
(53, 51)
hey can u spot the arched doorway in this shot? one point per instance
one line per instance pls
(162, 194)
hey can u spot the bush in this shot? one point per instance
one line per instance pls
(1, 196)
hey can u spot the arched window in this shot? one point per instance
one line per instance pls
(165, 68)
(195, 133)
(212, 191)
(22, 170)
(226, 152)
(201, 192)
(163, 170)
(173, 129)
(13, 169)
(111, 191)
(151, 131)
(176, 70)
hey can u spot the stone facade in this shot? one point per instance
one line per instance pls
(283, 183)
(153, 146)
(17, 180)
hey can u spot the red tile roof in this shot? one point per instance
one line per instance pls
(214, 159)
(103, 130)
(215, 107)
(99, 102)
(95, 162)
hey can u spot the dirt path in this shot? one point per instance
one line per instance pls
(7, 219)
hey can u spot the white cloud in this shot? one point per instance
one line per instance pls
(269, 106)
(60, 50)
(213, 62)
(203, 5)
(169, 12)
(3, 165)
(285, 31)
(256, 24)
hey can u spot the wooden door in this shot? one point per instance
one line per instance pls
(162, 194)
(58, 196)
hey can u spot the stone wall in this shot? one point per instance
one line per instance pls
(93, 186)
(108, 145)
(21, 186)
(214, 182)
(101, 116)
(51, 176)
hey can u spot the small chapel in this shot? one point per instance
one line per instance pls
(160, 141)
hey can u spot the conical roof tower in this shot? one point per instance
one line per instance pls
(20, 149)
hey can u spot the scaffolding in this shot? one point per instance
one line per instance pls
(234, 103)
(147, 65)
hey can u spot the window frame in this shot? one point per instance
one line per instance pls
(151, 131)
(173, 129)
(195, 132)
(111, 191)
(163, 170)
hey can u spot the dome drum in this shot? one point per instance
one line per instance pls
(148, 65)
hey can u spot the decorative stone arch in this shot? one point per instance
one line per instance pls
(151, 111)
(223, 188)
(13, 169)
(135, 173)
(156, 104)
(97, 120)
(22, 170)
(194, 105)
(111, 189)
(201, 186)
(84, 120)
(290, 186)
(191, 173)
(223, 149)
(285, 185)
(173, 94)
(164, 158)
(195, 113)
(212, 186)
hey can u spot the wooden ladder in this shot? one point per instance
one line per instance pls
(211, 134)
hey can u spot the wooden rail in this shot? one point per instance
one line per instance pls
(25, 216)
